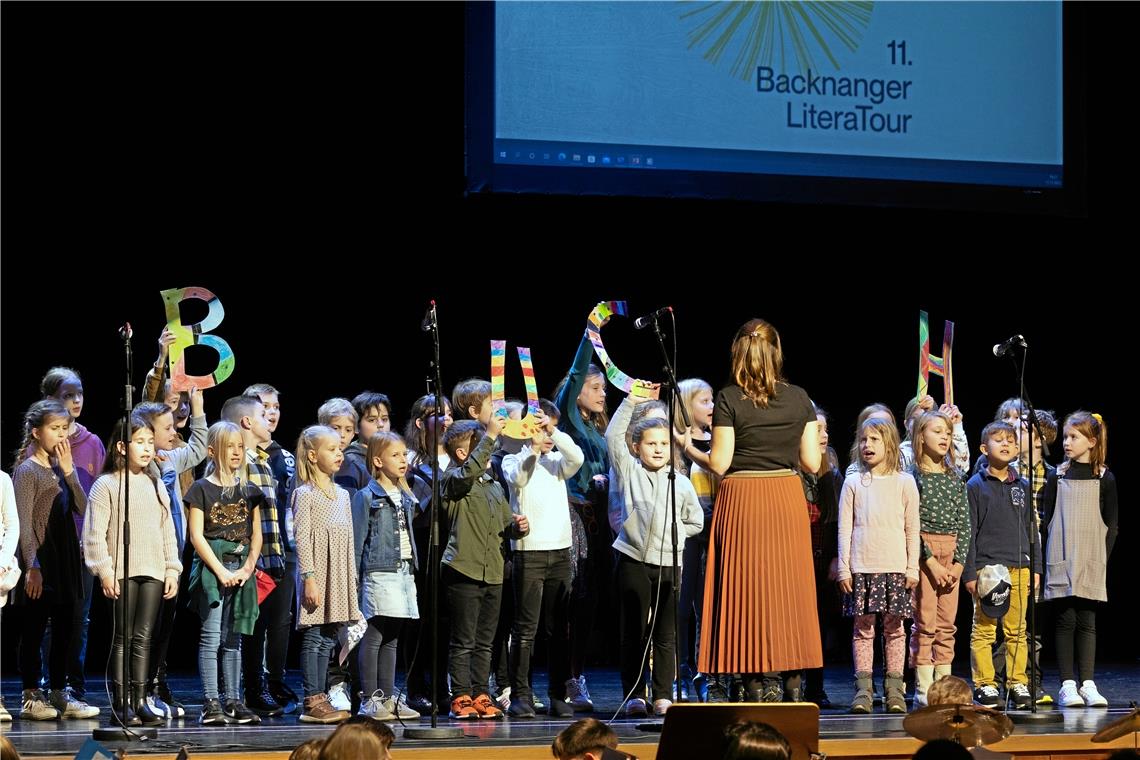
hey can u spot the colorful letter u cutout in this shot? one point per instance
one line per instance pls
(195, 334)
(594, 324)
(939, 365)
(527, 427)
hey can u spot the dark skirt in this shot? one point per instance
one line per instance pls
(759, 612)
(878, 592)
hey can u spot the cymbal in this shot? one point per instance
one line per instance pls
(969, 725)
(1118, 728)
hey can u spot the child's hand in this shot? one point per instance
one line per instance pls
(241, 575)
(522, 524)
(935, 569)
(63, 456)
(951, 411)
(911, 583)
(33, 583)
(311, 597)
(165, 341)
(226, 578)
(845, 585)
(496, 425)
(927, 403)
(539, 436)
(936, 572)
(601, 482)
(683, 440)
(170, 589)
(972, 587)
(197, 403)
(643, 399)
(110, 587)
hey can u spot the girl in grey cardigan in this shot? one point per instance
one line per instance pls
(645, 572)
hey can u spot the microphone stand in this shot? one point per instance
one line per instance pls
(671, 379)
(1030, 414)
(123, 732)
(431, 324)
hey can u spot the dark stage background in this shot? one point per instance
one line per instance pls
(303, 162)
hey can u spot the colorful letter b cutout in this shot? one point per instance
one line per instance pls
(195, 335)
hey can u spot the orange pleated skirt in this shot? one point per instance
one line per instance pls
(759, 612)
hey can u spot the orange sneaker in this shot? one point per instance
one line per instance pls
(463, 709)
(486, 707)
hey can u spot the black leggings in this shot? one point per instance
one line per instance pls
(377, 653)
(33, 625)
(143, 603)
(1076, 625)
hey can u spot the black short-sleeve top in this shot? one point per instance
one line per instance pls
(767, 438)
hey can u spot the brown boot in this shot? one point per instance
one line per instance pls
(318, 710)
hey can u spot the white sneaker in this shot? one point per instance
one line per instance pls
(504, 699)
(36, 707)
(157, 706)
(1069, 696)
(661, 705)
(338, 697)
(578, 695)
(374, 707)
(1091, 696)
(399, 709)
(71, 707)
(636, 708)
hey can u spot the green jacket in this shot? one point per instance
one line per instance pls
(205, 594)
(480, 517)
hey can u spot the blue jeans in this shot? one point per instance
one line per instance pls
(219, 643)
(317, 644)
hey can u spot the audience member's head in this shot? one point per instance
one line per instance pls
(942, 749)
(310, 750)
(587, 739)
(753, 740)
(949, 690)
(356, 739)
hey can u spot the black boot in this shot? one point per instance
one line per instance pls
(143, 713)
(773, 687)
(129, 719)
(793, 686)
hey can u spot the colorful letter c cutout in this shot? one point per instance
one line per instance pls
(594, 324)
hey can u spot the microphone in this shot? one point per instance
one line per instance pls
(1003, 348)
(642, 322)
(429, 318)
(125, 332)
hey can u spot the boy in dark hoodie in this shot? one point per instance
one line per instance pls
(278, 615)
(1001, 513)
(373, 415)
